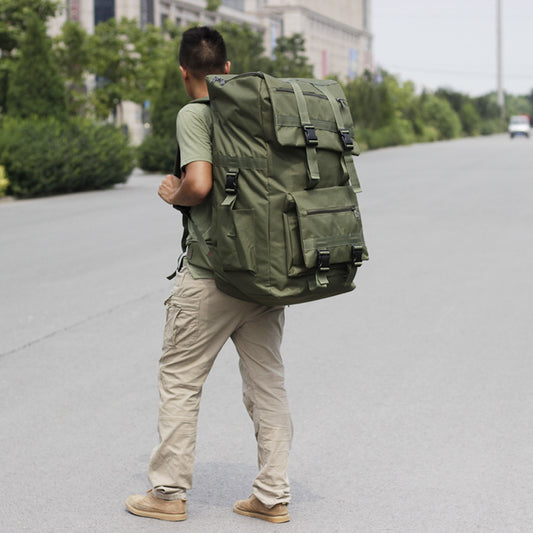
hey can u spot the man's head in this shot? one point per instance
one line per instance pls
(203, 52)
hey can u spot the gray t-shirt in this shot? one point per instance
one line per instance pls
(194, 127)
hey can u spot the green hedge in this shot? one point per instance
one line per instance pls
(157, 154)
(46, 156)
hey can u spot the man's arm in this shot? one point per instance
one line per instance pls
(193, 187)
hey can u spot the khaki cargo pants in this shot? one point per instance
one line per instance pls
(200, 319)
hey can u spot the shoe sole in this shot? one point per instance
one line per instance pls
(275, 519)
(178, 517)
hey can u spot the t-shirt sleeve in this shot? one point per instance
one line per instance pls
(193, 132)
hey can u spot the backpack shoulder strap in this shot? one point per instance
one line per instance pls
(177, 166)
(185, 211)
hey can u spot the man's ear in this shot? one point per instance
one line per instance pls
(227, 67)
(184, 73)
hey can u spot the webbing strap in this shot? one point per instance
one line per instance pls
(347, 164)
(313, 174)
(231, 187)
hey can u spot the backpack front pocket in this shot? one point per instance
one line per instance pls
(322, 228)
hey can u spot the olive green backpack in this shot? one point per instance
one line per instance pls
(286, 222)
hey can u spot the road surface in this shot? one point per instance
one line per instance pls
(411, 397)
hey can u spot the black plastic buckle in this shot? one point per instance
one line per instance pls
(323, 257)
(346, 139)
(231, 182)
(357, 256)
(310, 135)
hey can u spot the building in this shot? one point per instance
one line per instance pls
(337, 34)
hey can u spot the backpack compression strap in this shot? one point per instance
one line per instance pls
(311, 140)
(347, 163)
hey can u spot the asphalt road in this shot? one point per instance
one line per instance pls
(412, 396)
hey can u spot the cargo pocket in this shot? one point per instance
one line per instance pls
(322, 225)
(236, 239)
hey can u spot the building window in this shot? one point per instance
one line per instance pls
(73, 10)
(353, 63)
(147, 12)
(234, 4)
(103, 10)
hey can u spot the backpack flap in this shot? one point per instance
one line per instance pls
(324, 230)
(313, 114)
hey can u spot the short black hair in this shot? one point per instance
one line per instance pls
(202, 51)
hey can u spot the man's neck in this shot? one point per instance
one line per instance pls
(198, 89)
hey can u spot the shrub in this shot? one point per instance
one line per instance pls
(438, 112)
(470, 119)
(157, 154)
(399, 132)
(4, 182)
(47, 156)
(495, 125)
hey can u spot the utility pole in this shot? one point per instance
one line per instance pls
(501, 102)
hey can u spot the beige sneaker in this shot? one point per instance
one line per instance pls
(152, 507)
(254, 508)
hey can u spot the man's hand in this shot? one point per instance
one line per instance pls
(169, 188)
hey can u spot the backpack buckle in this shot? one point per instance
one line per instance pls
(231, 182)
(346, 138)
(323, 257)
(310, 135)
(357, 256)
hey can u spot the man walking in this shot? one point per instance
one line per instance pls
(200, 319)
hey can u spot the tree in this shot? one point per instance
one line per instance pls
(36, 87)
(157, 151)
(244, 47)
(289, 59)
(470, 119)
(114, 62)
(13, 20)
(212, 5)
(370, 102)
(155, 53)
(13, 15)
(128, 63)
(457, 100)
(171, 98)
(72, 57)
(438, 112)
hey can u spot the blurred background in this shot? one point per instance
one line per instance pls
(80, 77)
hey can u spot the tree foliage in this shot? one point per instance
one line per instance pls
(128, 63)
(290, 60)
(72, 57)
(114, 61)
(36, 88)
(122, 62)
(244, 47)
(439, 114)
(213, 5)
(13, 19)
(170, 99)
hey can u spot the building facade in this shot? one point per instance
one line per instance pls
(337, 34)
(338, 38)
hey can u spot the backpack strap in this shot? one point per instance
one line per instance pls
(311, 140)
(185, 211)
(347, 163)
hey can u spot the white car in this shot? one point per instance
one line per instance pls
(519, 125)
